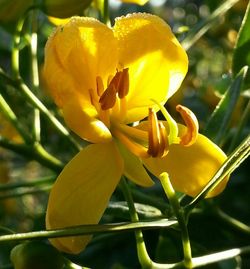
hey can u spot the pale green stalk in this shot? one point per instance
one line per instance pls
(179, 213)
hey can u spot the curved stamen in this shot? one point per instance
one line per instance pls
(192, 125)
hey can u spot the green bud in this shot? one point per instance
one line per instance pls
(65, 8)
(36, 255)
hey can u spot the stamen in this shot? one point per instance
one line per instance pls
(93, 99)
(192, 125)
(123, 86)
(163, 147)
(108, 98)
(153, 134)
(116, 80)
(99, 86)
(134, 147)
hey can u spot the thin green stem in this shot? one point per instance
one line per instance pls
(38, 104)
(15, 47)
(219, 256)
(35, 75)
(89, 229)
(36, 182)
(179, 213)
(10, 115)
(22, 193)
(143, 256)
(232, 222)
(240, 127)
(37, 154)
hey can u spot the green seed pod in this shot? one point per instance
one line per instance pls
(35, 254)
(65, 8)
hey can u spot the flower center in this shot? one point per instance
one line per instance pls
(149, 138)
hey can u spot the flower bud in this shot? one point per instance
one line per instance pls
(35, 254)
(65, 8)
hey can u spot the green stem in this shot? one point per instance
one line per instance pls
(22, 193)
(88, 229)
(220, 256)
(10, 115)
(232, 222)
(106, 18)
(243, 121)
(15, 48)
(35, 75)
(179, 213)
(34, 153)
(36, 182)
(38, 104)
(143, 256)
(103, 7)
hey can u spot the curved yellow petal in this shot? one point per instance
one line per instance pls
(157, 63)
(76, 54)
(138, 2)
(190, 168)
(82, 119)
(82, 191)
(133, 168)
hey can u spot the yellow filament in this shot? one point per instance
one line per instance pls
(192, 125)
(135, 148)
(133, 132)
(93, 99)
(99, 86)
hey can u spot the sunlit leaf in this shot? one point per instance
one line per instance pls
(216, 127)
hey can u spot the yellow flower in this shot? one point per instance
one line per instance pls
(104, 80)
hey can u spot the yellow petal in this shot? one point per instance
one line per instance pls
(82, 191)
(133, 168)
(190, 168)
(138, 2)
(76, 54)
(82, 119)
(157, 63)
